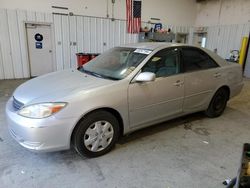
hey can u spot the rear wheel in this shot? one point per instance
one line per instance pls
(218, 103)
(96, 134)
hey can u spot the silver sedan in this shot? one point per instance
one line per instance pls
(124, 89)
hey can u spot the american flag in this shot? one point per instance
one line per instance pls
(133, 13)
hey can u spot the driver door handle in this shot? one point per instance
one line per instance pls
(178, 83)
(217, 75)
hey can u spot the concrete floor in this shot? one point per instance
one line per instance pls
(193, 151)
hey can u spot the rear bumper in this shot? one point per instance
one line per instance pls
(39, 135)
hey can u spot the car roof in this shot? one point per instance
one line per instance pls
(153, 45)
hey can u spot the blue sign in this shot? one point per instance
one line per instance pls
(39, 45)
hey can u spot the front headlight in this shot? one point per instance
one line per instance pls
(41, 110)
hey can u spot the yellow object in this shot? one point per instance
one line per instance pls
(248, 169)
(243, 50)
(248, 172)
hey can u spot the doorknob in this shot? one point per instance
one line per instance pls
(178, 83)
(50, 51)
(217, 75)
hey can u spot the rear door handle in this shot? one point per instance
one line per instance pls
(217, 75)
(178, 83)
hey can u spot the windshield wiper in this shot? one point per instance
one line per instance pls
(90, 72)
(109, 77)
(98, 75)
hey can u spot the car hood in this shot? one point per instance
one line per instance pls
(51, 87)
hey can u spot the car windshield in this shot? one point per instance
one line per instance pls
(116, 63)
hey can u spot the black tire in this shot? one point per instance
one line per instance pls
(80, 135)
(218, 103)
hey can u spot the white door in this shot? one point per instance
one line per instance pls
(40, 49)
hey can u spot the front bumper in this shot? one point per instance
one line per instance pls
(48, 134)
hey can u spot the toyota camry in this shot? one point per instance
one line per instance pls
(124, 89)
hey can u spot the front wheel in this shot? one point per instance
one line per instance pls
(96, 134)
(218, 103)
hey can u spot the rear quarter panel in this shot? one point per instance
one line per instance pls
(231, 74)
(234, 78)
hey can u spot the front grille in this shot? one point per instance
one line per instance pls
(17, 104)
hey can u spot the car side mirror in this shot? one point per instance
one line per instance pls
(145, 77)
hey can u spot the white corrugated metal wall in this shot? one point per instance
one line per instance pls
(74, 34)
(71, 34)
(13, 48)
(226, 38)
(86, 34)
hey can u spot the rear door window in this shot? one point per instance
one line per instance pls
(194, 59)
